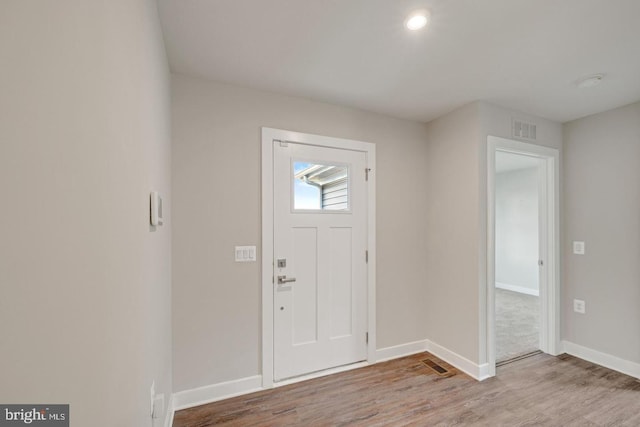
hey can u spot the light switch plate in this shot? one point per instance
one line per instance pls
(578, 248)
(245, 253)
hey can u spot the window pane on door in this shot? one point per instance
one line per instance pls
(320, 187)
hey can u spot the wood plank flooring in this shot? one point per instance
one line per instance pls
(541, 390)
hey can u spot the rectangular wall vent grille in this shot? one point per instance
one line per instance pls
(524, 130)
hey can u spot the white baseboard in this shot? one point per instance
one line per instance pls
(168, 420)
(212, 393)
(402, 350)
(483, 372)
(519, 289)
(608, 361)
(478, 372)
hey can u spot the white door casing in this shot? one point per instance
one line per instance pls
(320, 320)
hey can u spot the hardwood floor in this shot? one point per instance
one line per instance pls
(541, 390)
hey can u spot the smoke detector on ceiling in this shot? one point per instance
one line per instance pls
(590, 81)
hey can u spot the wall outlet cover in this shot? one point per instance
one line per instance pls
(155, 216)
(578, 248)
(579, 306)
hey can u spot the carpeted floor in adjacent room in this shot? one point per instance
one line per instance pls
(517, 324)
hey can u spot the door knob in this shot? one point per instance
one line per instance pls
(283, 279)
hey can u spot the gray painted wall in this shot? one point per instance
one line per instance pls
(457, 221)
(517, 228)
(84, 137)
(602, 208)
(453, 163)
(216, 184)
(431, 221)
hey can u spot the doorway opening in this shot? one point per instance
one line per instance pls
(523, 295)
(517, 281)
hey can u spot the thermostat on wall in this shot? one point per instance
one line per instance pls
(156, 208)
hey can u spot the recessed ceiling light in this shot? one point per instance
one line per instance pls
(590, 81)
(418, 19)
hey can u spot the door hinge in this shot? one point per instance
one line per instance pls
(282, 143)
(366, 257)
(366, 337)
(366, 173)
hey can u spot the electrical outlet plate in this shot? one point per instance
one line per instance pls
(579, 306)
(155, 209)
(578, 248)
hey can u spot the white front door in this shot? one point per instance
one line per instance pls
(320, 238)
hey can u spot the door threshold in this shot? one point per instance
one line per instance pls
(319, 374)
(517, 358)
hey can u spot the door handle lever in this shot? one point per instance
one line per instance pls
(283, 279)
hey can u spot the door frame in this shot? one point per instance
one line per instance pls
(269, 135)
(549, 244)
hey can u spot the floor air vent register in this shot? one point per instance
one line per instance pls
(437, 368)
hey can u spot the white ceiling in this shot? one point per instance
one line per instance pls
(520, 54)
